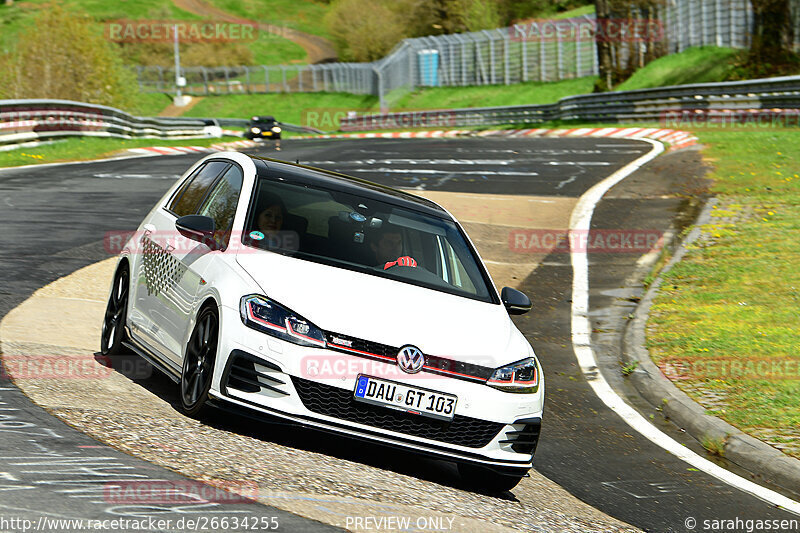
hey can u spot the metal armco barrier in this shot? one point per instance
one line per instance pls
(242, 123)
(675, 107)
(32, 120)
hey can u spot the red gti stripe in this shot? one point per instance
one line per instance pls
(359, 351)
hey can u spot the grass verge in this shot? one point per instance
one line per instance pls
(86, 148)
(303, 15)
(313, 109)
(700, 64)
(725, 323)
(322, 110)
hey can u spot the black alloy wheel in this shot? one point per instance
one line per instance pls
(113, 334)
(198, 363)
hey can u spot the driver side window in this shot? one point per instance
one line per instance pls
(221, 204)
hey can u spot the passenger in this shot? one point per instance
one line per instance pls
(271, 221)
(271, 215)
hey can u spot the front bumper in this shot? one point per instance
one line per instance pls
(264, 135)
(313, 387)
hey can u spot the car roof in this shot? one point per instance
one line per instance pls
(263, 118)
(341, 182)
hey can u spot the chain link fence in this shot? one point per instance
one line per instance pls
(537, 50)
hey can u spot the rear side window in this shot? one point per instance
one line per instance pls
(196, 188)
(222, 202)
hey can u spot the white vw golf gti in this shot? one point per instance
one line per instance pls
(333, 303)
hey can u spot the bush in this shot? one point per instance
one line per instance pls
(364, 30)
(472, 15)
(63, 56)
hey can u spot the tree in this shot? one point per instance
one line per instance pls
(605, 68)
(773, 35)
(63, 56)
(622, 46)
(364, 30)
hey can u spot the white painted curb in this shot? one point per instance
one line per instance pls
(580, 221)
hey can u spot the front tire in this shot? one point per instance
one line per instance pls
(198, 363)
(113, 333)
(488, 480)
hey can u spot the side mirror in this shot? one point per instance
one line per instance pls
(516, 302)
(198, 228)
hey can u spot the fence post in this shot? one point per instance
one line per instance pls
(703, 21)
(524, 45)
(205, 80)
(452, 62)
(504, 35)
(747, 24)
(560, 55)
(160, 78)
(381, 95)
(227, 79)
(247, 77)
(463, 47)
(542, 74)
(717, 23)
(593, 51)
(732, 27)
(266, 78)
(491, 57)
(577, 49)
(679, 25)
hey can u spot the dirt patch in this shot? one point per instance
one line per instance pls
(318, 49)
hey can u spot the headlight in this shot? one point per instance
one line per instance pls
(255, 130)
(276, 129)
(522, 376)
(273, 319)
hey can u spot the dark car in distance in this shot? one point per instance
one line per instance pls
(263, 127)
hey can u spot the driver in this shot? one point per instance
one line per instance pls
(388, 248)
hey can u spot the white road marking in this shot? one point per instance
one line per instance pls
(582, 344)
(566, 182)
(579, 163)
(388, 170)
(138, 176)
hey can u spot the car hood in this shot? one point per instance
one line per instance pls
(387, 311)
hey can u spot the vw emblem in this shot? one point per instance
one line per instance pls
(410, 359)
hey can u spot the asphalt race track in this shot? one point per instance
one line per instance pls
(54, 219)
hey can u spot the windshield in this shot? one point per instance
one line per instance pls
(364, 235)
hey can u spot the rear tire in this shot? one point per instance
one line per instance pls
(113, 333)
(488, 480)
(198, 363)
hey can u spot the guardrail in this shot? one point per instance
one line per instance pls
(33, 120)
(243, 122)
(777, 96)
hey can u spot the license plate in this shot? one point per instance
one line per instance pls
(413, 400)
